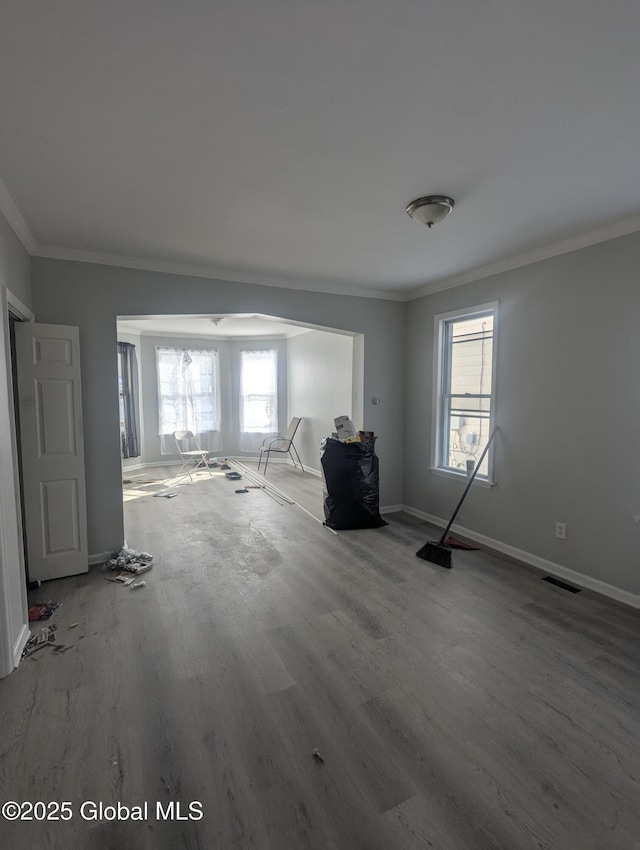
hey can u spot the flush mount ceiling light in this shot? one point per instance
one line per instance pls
(431, 209)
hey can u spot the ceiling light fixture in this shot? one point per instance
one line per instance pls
(431, 209)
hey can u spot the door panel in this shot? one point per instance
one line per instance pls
(50, 401)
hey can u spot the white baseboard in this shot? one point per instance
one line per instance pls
(149, 465)
(289, 462)
(101, 557)
(313, 471)
(579, 579)
(249, 458)
(391, 509)
(20, 644)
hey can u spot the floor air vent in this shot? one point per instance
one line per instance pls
(562, 584)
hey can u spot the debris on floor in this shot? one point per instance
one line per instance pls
(42, 610)
(317, 755)
(242, 490)
(130, 560)
(136, 569)
(164, 495)
(130, 564)
(233, 476)
(210, 462)
(38, 641)
(126, 579)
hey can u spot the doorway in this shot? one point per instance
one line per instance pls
(320, 375)
(14, 624)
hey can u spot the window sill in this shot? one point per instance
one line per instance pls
(461, 476)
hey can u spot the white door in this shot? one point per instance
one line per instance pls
(50, 405)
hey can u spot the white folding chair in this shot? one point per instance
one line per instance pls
(281, 444)
(191, 458)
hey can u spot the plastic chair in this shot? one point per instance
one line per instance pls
(281, 444)
(190, 457)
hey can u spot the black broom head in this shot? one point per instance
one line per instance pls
(437, 553)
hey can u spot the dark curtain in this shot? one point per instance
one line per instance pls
(129, 395)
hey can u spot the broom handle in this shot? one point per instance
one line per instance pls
(469, 483)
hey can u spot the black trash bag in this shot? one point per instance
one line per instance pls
(350, 481)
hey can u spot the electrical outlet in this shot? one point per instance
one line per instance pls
(561, 530)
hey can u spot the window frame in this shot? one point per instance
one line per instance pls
(441, 372)
(214, 354)
(242, 396)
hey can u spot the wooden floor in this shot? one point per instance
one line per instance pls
(474, 708)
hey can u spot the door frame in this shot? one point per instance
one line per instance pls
(14, 621)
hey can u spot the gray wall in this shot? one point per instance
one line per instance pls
(568, 405)
(92, 296)
(320, 388)
(229, 360)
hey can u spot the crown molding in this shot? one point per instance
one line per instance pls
(13, 215)
(576, 243)
(585, 240)
(215, 273)
(210, 337)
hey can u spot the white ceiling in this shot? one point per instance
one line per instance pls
(280, 141)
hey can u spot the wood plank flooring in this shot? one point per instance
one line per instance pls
(456, 710)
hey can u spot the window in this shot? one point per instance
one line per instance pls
(259, 391)
(188, 390)
(465, 389)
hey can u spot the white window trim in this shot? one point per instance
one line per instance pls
(436, 418)
(242, 395)
(215, 355)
